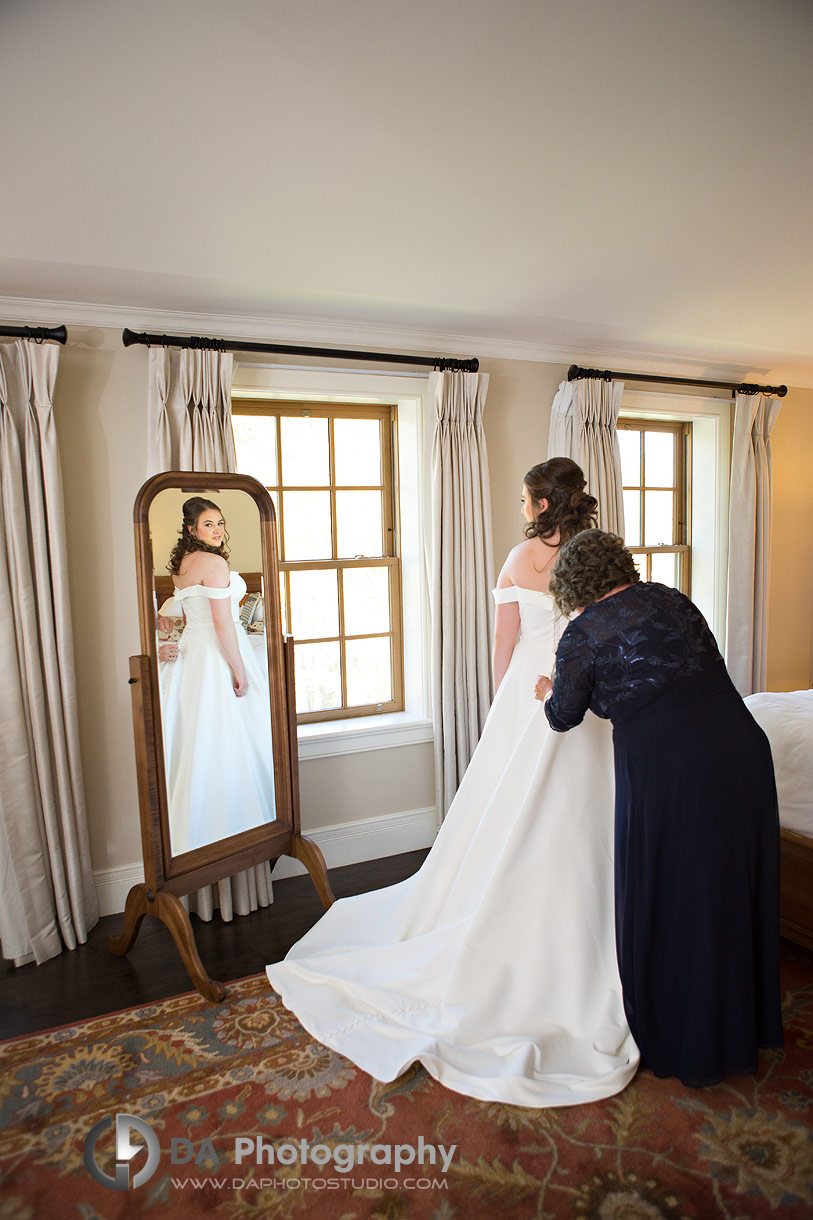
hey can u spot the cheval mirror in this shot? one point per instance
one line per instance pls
(218, 786)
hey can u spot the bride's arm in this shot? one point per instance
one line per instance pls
(506, 629)
(213, 572)
(227, 639)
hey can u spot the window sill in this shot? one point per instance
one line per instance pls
(322, 740)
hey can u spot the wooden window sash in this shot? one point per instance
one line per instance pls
(389, 558)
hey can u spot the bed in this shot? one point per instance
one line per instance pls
(787, 719)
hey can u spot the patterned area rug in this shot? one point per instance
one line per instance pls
(223, 1080)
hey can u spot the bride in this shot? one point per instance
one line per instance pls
(494, 965)
(214, 698)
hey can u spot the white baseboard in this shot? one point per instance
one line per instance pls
(348, 843)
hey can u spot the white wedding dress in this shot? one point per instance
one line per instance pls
(218, 754)
(495, 964)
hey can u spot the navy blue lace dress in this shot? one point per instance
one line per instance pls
(696, 831)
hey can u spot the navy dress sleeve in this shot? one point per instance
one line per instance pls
(573, 681)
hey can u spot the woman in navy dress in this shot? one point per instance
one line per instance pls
(697, 829)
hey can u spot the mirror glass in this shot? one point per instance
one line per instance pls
(212, 669)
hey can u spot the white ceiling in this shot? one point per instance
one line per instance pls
(628, 179)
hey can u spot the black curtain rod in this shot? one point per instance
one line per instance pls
(129, 337)
(58, 333)
(574, 373)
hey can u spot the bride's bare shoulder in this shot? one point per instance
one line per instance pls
(513, 564)
(523, 557)
(202, 568)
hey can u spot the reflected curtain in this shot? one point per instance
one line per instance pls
(461, 573)
(583, 421)
(47, 895)
(189, 428)
(749, 541)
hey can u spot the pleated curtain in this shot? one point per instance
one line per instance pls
(47, 895)
(749, 541)
(461, 574)
(583, 426)
(189, 428)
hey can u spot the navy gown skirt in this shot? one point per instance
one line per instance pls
(697, 881)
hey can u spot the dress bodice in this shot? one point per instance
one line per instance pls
(626, 650)
(541, 623)
(195, 600)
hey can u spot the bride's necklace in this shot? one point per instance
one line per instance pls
(541, 571)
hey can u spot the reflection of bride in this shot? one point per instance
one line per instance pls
(495, 964)
(214, 698)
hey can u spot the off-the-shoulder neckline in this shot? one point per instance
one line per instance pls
(524, 589)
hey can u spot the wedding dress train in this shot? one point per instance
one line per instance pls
(494, 965)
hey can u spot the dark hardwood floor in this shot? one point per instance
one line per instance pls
(90, 981)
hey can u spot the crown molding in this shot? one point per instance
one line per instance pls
(341, 333)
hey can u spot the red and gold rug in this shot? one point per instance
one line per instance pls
(216, 1079)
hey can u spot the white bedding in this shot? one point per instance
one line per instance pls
(787, 719)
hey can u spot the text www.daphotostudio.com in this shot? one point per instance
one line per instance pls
(344, 1158)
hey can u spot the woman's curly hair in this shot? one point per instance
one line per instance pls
(589, 565)
(570, 509)
(192, 510)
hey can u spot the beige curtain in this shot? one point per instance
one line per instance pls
(189, 428)
(461, 573)
(749, 541)
(47, 896)
(189, 411)
(583, 427)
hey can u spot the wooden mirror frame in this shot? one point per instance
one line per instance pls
(166, 877)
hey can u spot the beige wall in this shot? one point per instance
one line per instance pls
(100, 410)
(790, 608)
(516, 420)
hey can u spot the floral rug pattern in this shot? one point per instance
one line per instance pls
(197, 1072)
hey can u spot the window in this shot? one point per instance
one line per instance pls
(329, 470)
(654, 466)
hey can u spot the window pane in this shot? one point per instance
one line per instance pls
(640, 563)
(357, 451)
(358, 523)
(658, 517)
(659, 459)
(305, 452)
(318, 679)
(366, 600)
(307, 525)
(369, 671)
(314, 604)
(630, 444)
(255, 445)
(632, 518)
(665, 568)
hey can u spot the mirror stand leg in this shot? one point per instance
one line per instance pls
(135, 909)
(310, 854)
(173, 913)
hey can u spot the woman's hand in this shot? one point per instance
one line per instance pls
(543, 688)
(240, 683)
(168, 652)
(164, 624)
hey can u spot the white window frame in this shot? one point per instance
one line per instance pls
(323, 739)
(710, 476)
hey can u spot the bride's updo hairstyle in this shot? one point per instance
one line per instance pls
(589, 565)
(570, 509)
(192, 510)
